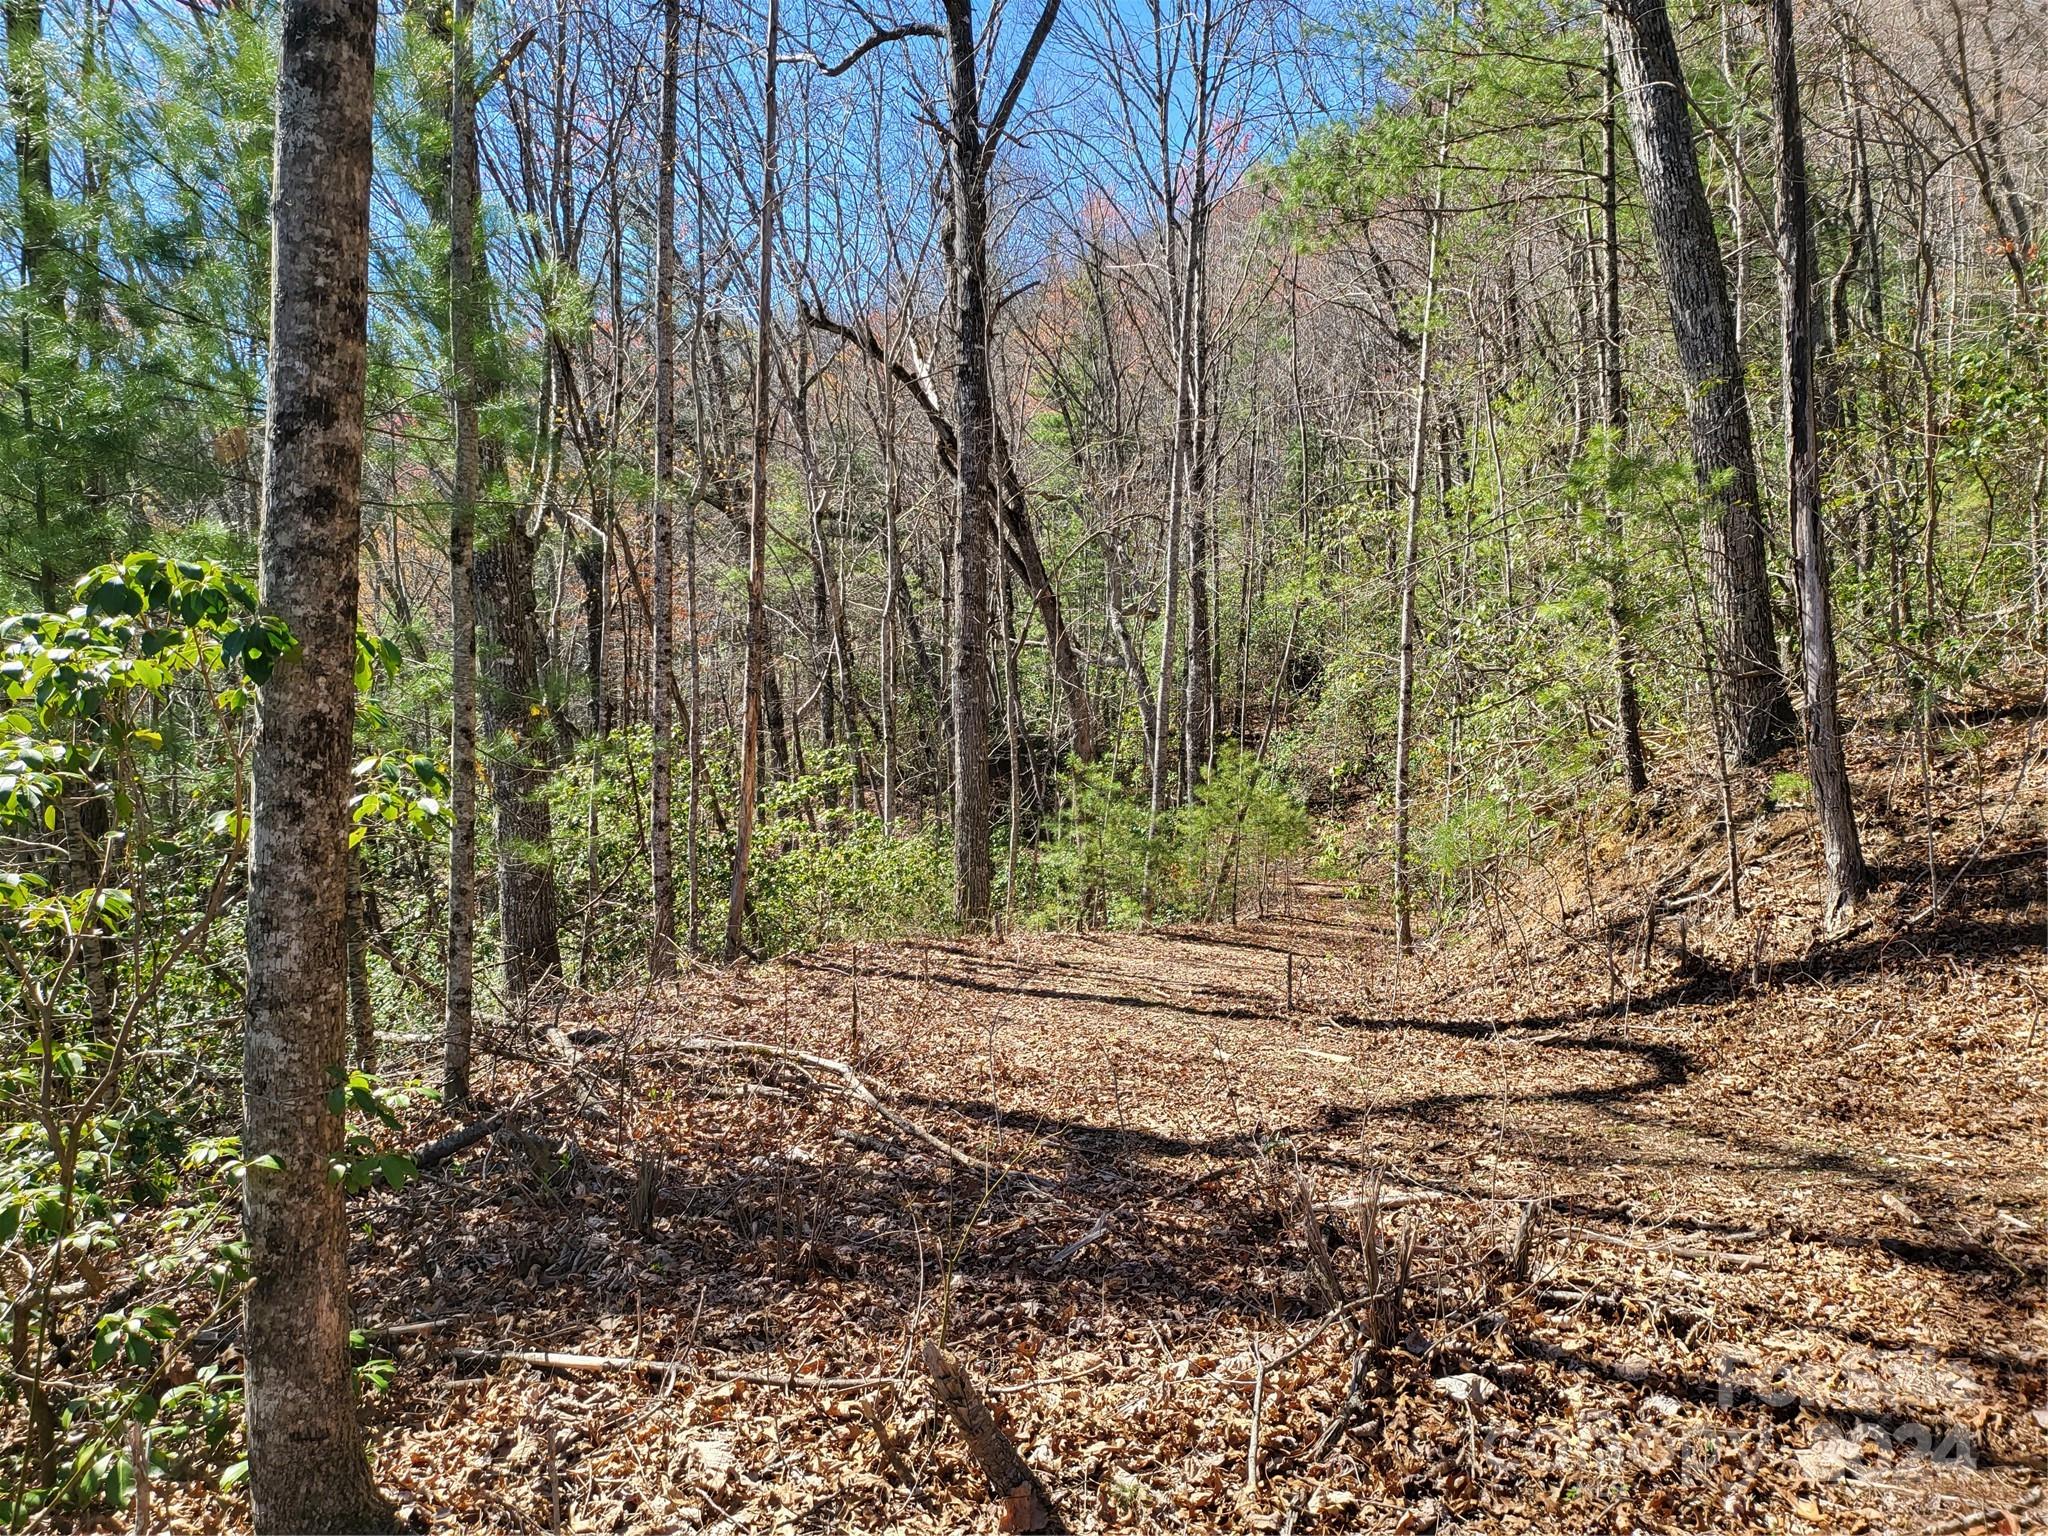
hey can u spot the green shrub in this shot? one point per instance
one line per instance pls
(1112, 864)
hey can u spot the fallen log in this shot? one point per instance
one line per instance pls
(438, 1151)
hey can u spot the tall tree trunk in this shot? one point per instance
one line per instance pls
(1198, 700)
(661, 959)
(28, 100)
(511, 707)
(758, 678)
(1759, 712)
(308, 1469)
(1013, 739)
(459, 1008)
(974, 454)
(1170, 639)
(1628, 709)
(1199, 695)
(701, 424)
(1404, 687)
(1847, 878)
(514, 721)
(892, 576)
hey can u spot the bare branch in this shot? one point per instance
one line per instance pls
(873, 41)
(505, 62)
(1015, 89)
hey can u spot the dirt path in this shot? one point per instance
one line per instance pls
(1787, 1270)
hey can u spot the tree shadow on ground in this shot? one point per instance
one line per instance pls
(773, 1224)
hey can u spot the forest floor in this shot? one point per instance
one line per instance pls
(1787, 1203)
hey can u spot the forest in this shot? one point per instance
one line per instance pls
(1157, 765)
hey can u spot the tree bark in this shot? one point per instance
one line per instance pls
(458, 1017)
(1760, 719)
(1847, 879)
(1404, 686)
(307, 1459)
(759, 680)
(974, 453)
(661, 958)
(28, 100)
(514, 721)
(1628, 709)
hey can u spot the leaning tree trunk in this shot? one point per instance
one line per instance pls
(1847, 878)
(308, 1470)
(1703, 321)
(1016, 537)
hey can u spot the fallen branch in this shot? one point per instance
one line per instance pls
(1980, 1519)
(1088, 1239)
(857, 1087)
(390, 1331)
(1669, 1250)
(1390, 1200)
(438, 1151)
(629, 1365)
(1261, 1365)
(1026, 1504)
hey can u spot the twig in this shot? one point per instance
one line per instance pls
(415, 1328)
(1013, 1388)
(1354, 1399)
(138, 1462)
(1251, 1453)
(1321, 1269)
(554, 1485)
(1261, 1365)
